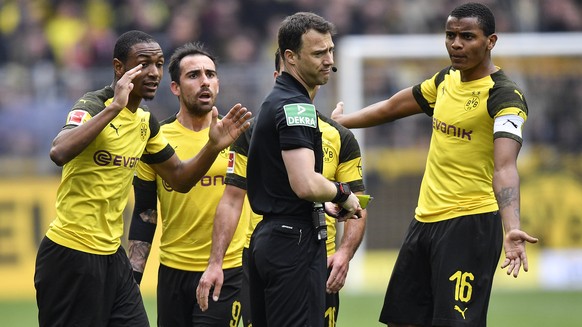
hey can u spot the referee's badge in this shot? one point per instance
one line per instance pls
(301, 114)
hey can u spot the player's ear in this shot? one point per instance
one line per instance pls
(491, 40)
(175, 88)
(118, 68)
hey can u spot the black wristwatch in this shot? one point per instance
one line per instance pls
(343, 192)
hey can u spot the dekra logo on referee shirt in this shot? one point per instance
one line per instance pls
(300, 114)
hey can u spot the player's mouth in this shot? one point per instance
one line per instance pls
(457, 58)
(205, 96)
(151, 86)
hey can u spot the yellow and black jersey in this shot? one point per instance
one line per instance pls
(95, 185)
(341, 162)
(187, 218)
(459, 168)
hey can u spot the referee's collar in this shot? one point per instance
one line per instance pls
(286, 80)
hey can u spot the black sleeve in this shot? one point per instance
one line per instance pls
(145, 200)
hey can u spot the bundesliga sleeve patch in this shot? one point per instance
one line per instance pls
(230, 167)
(301, 114)
(77, 117)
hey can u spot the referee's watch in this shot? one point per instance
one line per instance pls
(343, 192)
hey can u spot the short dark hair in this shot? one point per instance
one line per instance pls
(127, 40)
(277, 60)
(188, 49)
(484, 16)
(294, 26)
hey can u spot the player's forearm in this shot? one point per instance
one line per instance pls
(400, 105)
(506, 188)
(139, 252)
(353, 235)
(225, 224)
(183, 175)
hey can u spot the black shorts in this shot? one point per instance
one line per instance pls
(75, 288)
(331, 300)
(287, 274)
(444, 272)
(177, 304)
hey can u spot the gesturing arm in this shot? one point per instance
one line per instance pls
(183, 175)
(70, 142)
(401, 104)
(506, 188)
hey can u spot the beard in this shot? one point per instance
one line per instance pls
(198, 109)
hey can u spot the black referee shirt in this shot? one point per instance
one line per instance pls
(287, 120)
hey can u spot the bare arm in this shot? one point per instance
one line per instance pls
(506, 188)
(312, 186)
(226, 220)
(340, 261)
(183, 175)
(401, 104)
(70, 142)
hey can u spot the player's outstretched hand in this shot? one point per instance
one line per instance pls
(338, 112)
(213, 276)
(222, 133)
(515, 256)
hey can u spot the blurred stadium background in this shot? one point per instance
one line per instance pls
(52, 51)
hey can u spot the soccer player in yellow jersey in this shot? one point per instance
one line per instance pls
(187, 219)
(342, 162)
(83, 276)
(470, 190)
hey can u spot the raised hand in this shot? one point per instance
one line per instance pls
(222, 133)
(124, 86)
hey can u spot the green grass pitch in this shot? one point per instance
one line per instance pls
(507, 309)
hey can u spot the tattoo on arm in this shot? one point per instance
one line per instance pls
(505, 197)
(138, 254)
(149, 216)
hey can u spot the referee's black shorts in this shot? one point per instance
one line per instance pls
(177, 304)
(331, 299)
(75, 288)
(287, 273)
(444, 272)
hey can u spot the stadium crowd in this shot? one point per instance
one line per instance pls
(52, 51)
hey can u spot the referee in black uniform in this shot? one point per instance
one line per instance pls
(287, 262)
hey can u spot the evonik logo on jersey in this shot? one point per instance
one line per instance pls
(452, 130)
(205, 181)
(104, 158)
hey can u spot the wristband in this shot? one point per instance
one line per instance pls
(343, 192)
